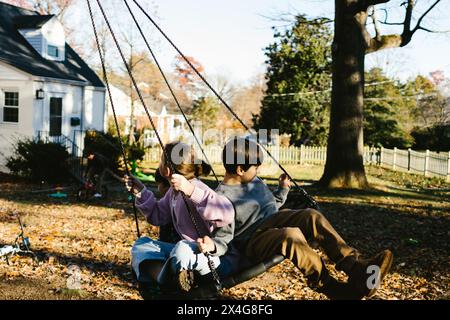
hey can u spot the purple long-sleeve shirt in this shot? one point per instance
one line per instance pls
(211, 211)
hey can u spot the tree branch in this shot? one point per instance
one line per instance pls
(425, 29)
(384, 42)
(423, 16)
(386, 13)
(375, 24)
(368, 3)
(396, 40)
(361, 19)
(407, 22)
(391, 23)
(293, 18)
(433, 31)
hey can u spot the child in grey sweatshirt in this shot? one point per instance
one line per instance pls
(261, 230)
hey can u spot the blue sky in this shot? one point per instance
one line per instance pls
(228, 37)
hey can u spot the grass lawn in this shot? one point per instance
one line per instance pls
(92, 240)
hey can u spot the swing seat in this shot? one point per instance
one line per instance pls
(251, 272)
(208, 290)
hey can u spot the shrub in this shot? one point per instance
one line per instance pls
(39, 161)
(105, 144)
(135, 153)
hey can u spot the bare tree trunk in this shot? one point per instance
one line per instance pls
(131, 133)
(344, 166)
(130, 86)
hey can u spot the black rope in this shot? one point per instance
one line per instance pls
(114, 113)
(168, 159)
(310, 200)
(170, 88)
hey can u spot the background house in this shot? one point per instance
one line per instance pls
(46, 89)
(169, 122)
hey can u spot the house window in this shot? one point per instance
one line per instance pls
(176, 123)
(52, 51)
(11, 108)
(55, 116)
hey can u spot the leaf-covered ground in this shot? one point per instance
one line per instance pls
(92, 241)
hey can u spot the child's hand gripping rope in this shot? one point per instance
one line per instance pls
(180, 183)
(133, 184)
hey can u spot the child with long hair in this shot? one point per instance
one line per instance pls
(172, 265)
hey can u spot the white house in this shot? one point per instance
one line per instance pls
(171, 125)
(45, 87)
(444, 88)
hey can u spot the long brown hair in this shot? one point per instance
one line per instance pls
(184, 161)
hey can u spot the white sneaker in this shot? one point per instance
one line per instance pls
(97, 195)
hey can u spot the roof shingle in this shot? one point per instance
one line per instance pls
(17, 52)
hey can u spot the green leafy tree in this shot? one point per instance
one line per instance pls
(385, 110)
(436, 138)
(205, 110)
(298, 82)
(428, 107)
(429, 114)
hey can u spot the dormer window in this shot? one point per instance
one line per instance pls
(52, 51)
(45, 34)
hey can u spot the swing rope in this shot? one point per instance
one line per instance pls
(122, 148)
(170, 89)
(309, 200)
(168, 159)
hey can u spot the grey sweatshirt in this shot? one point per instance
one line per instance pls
(253, 203)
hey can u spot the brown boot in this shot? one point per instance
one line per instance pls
(367, 274)
(186, 280)
(333, 288)
(338, 290)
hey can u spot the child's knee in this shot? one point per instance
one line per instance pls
(142, 240)
(314, 214)
(183, 251)
(139, 242)
(293, 235)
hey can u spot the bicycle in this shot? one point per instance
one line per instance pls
(21, 245)
(88, 190)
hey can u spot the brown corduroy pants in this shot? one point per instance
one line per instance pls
(288, 233)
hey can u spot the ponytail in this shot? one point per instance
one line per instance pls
(202, 169)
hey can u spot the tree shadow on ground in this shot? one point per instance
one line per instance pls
(414, 232)
(37, 289)
(117, 197)
(121, 271)
(376, 191)
(419, 243)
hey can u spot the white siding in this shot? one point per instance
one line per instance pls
(53, 34)
(94, 109)
(122, 104)
(11, 132)
(72, 102)
(34, 37)
(121, 101)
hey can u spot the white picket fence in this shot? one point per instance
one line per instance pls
(426, 163)
(284, 155)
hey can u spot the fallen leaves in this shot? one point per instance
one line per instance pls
(97, 238)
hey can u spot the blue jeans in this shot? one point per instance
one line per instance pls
(183, 255)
